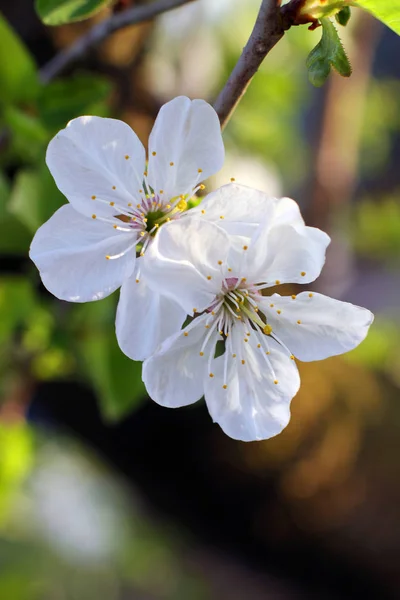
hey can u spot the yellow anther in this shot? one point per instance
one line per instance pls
(302, 273)
(276, 382)
(145, 173)
(185, 334)
(129, 203)
(115, 226)
(221, 332)
(112, 203)
(154, 153)
(182, 205)
(211, 374)
(209, 277)
(137, 280)
(233, 355)
(202, 186)
(245, 340)
(277, 282)
(221, 217)
(161, 191)
(207, 326)
(203, 212)
(201, 353)
(114, 187)
(195, 310)
(157, 225)
(229, 269)
(243, 361)
(293, 296)
(243, 280)
(107, 257)
(299, 322)
(268, 352)
(199, 170)
(167, 206)
(142, 233)
(93, 197)
(167, 220)
(213, 313)
(279, 311)
(126, 156)
(258, 345)
(140, 191)
(220, 262)
(271, 305)
(292, 357)
(225, 386)
(267, 329)
(245, 247)
(310, 295)
(93, 216)
(233, 179)
(138, 206)
(171, 164)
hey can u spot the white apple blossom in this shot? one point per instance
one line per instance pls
(97, 242)
(237, 347)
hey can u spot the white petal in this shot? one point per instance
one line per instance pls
(187, 133)
(145, 319)
(236, 208)
(183, 262)
(70, 252)
(88, 158)
(287, 253)
(327, 327)
(252, 407)
(174, 375)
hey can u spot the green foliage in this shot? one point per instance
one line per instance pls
(329, 52)
(343, 16)
(59, 12)
(387, 11)
(377, 228)
(18, 74)
(65, 99)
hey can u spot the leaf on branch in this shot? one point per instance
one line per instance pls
(60, 12)
(328, 53)
(387, 11)
(343, 16)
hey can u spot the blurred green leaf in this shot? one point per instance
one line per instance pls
(62, 100)
(343, 16)
(34, 197)
(116, 379)
(59, 12)
(14, 236)
(387, 11)
(16, 303)
(376, 230)
(329, 52)
(18, 73)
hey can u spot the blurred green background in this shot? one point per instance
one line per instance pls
(102, 493)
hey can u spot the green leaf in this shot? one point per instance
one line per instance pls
(16, 304)
(14, 236)
(65, 99)
(329, 52)
(343, 16)
(387, 11)
(116, 379)
(59, 12)
(34, 197)
(19, 80)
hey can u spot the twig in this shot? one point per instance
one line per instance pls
(101, 31)
(268, 30)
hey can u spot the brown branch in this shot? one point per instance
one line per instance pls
(268, 30)
(100, 32)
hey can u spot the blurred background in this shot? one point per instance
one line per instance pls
(104, 494)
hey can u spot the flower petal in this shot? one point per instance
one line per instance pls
(145, 319)
(183, 262)
(185, 146)
(174, 375)
(287, 253)
(314, 326)
(94, 156)
(252, 407)
(70, 252)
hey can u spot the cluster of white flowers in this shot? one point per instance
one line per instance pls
(194, 302)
